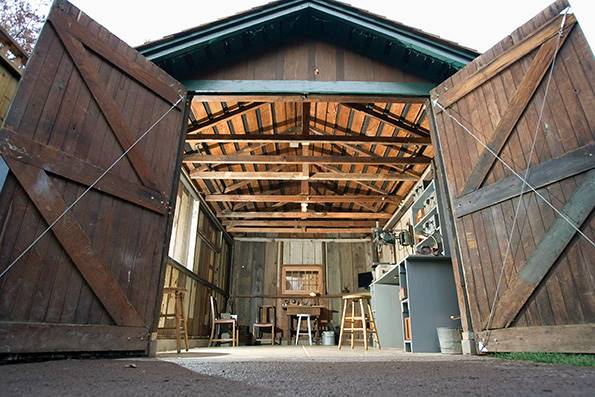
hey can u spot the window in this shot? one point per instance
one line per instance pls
(182, 244)
(301, 280)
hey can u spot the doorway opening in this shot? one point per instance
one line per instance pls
(288, 203)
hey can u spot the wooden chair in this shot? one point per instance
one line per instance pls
(266, 319)
(180, 317)
(216, 322)
(365, 323)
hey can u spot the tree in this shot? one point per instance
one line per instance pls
(22, 21)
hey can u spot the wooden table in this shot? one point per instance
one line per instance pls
(293, 311)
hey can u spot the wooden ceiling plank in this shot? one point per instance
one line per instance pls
(201, 126)
(396, 121)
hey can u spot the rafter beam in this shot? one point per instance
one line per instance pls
(367, 152)
(397, 122)
(303, 215)
(293, 159)
(307, 139)
(203, 125)
(297, 198)
(299, 223)
(274, 175)
(245, 181)
(292, 230)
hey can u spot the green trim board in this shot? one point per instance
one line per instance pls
(306, 87)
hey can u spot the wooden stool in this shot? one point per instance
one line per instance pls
(178, 294)
(299, 324)
(348, 323)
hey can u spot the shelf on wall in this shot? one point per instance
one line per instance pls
(419, 201)
(436, 232)
(419, 225)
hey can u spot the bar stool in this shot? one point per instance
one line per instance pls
(179, 316)
(348, 323)
(299, 324)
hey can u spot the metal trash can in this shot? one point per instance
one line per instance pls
(328, 338)
(450, 340)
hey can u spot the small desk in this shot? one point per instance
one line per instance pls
(292, 311)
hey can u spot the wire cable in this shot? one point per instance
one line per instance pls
(104, 173)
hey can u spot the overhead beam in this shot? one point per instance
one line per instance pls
(299, 223)
(307, 90)
(201, 126)
(297, 198)
(291, 230)
(273, 175)
(394, 121)
(307, 139)
(293, 159)
(303, 215)
(244, 181)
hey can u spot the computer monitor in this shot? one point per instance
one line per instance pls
(364, 279)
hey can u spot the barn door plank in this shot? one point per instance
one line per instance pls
(570, 164)
(545, 255)
(512, 114)
(107, 105)
(505, 60)
(77, 244)
(548, 277)
(70, 167)
(133, 70)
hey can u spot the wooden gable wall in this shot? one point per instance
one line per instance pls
(306, 59)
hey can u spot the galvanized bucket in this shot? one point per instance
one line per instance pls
(450, 340)
(328, 338)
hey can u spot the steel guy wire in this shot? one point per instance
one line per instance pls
(516, 212)
(104, 173)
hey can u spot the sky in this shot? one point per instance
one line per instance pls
(477, 24)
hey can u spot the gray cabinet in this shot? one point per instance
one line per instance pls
(428, 300)
(387, 313)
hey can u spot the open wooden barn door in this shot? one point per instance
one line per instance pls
(93, 282)
(546, 299)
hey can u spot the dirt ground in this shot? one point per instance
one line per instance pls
(301, 372)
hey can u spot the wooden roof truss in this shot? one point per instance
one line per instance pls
(304, 168)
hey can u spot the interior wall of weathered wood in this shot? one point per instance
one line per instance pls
(306, 59)
(256, 269)
(8, 87)
(565, 296)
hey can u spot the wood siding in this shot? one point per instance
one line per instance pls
(12, 63)
(256, 269)
(100, 269)
(305, 59)
(532, 293)
(8, 87)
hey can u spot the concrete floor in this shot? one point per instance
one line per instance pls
(294, 371)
